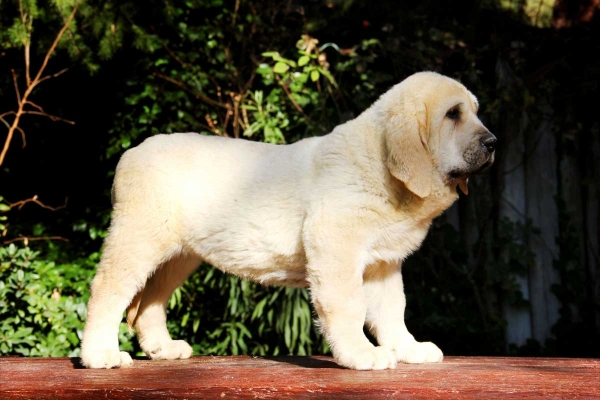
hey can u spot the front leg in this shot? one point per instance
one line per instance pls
(339, 299)
(386, 303)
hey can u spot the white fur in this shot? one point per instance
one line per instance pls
(324, 212)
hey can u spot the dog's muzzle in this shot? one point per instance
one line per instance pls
(488, 142)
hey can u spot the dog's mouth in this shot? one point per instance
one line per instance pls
(460, 178)
(456, 174)
(484, 167)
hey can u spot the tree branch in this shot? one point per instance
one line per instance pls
(36, 80)
(14, 75)
(31, 84)
(23, 139)
(182, 85)
(62, 71)
(4, 121)
(52, 117)
(27, 44)
(19, 204)
(296, 105)
(213, 127)
(237, 98)
(172, 54)
(26, 239)
(5, 114)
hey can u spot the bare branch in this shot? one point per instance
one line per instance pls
(175, 57)
(45, 114)
(4, 121)
(52, 117)
(14, 75)
(22, 132)
(237, 98)
(26, 239)
(62, 71)
(213, 127)
(228, 114)
(171, 52)
(182, 85)
(7, 113)
(22, 101)
(31, 103)
(19, 204)
(28, 55)
(36, 80)
(246, 122)
(235, 12)
(27, 44)
(11, 132)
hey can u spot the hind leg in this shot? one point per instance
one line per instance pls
(151, 319)
(127, 260)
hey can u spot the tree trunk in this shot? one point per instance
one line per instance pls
(541, 190)
(513, 207)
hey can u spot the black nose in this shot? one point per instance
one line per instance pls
(490, 143)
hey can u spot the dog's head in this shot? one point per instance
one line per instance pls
(431, 127)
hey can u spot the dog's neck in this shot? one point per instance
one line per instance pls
(369, 152)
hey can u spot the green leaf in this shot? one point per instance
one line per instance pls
(314, 75)
(302, 61)
(280, 67)
(270, 54)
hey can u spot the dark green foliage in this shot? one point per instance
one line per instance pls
(225, 315)
(42, 302)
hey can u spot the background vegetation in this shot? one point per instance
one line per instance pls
(82, 81)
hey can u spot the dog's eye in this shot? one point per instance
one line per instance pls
(453, 113)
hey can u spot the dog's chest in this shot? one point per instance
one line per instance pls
(393, 242)
(263, 247)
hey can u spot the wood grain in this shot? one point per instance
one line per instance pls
(301, 377)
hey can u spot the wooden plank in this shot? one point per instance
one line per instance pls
(300, 377)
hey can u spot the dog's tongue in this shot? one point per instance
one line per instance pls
(462, 184)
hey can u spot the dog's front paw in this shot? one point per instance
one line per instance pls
(368, 358)
(168, 350)
(106, 359)
(418, 353)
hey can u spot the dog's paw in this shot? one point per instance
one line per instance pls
(106, 359)
(369, 358)
(418, 353)
(168, 350)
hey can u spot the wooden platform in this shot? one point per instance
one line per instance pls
(301, 377)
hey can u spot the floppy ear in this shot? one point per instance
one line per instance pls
(408, 158)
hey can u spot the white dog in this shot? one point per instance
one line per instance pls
(337, 214)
